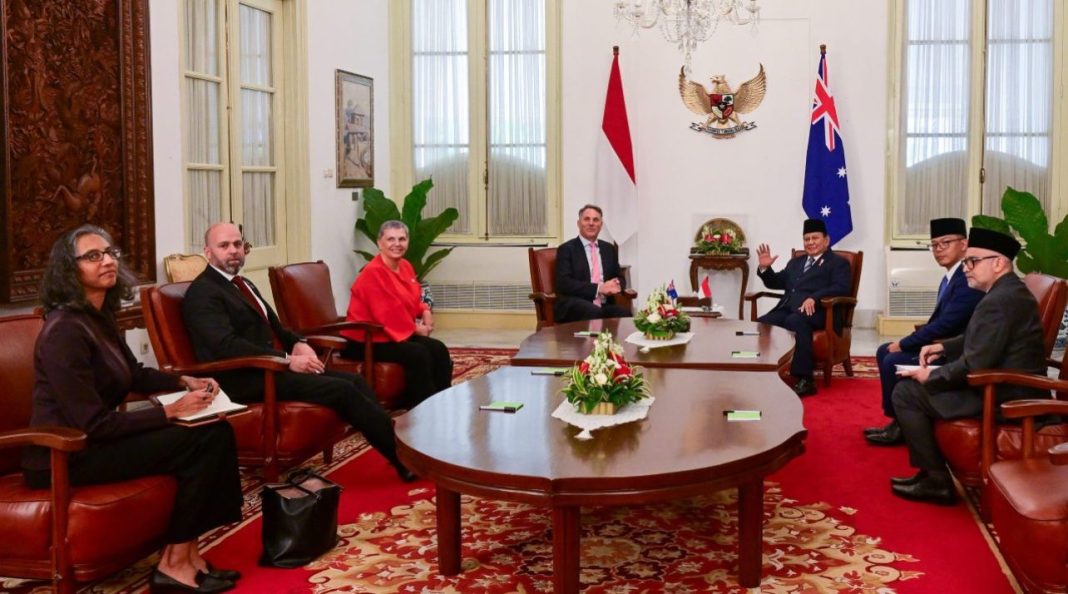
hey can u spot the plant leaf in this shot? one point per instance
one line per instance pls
(432, 261)
(1024, 213)
(992, 223)
(415, 201)
(366, 255)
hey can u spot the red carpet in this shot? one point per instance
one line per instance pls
(832, 525)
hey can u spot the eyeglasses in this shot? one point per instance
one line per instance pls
(95, 256)
(934, 246)
(971, 261)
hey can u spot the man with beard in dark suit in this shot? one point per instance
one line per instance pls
(816, 274)
(587, 274)
(956, 301)
(1004, 333)
(227, 317)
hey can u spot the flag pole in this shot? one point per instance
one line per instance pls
(823, 48)
(615, 50)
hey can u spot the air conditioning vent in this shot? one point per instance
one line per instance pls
(912, 283)
(473, 295)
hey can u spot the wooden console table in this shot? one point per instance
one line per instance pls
(738, 261)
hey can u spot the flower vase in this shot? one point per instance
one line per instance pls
(603, 408)
(660, 336)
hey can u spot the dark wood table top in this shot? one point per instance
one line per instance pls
(684, 447)
(710, 347)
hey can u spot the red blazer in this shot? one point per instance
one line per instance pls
(392, 299)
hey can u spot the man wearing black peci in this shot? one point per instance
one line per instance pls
(1003, 333)
(956, 301)
(227, 317)
(806, 279)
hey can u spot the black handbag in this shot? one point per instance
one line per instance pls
(299, 519)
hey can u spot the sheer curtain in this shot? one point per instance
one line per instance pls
(517, 118)
(936, 112)
(203, 88)
(257, 152)
(1019, 100)
(440, 104)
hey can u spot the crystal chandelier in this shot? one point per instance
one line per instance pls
(687, 22)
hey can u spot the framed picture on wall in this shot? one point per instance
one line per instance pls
(355, 130)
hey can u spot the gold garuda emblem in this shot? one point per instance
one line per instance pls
(722, 105)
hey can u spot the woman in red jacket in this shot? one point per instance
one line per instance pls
(387, 293)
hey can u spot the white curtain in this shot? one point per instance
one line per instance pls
(517, 126)
(1016, 141)
(203, 94)
(257, 155)
(440, 104)
(1019, 100)
(936, 113)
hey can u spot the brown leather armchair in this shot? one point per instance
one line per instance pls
(971, 445)
(829, 347)
(543, 282)
(1028, 500)
(65, 534)
(304, 298)
(274, 433)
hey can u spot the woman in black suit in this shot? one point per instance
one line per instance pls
(84, 370)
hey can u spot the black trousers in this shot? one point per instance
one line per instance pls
(202, 459)
(802, 327)
(426, 362)
(576, 309)
(917, 415)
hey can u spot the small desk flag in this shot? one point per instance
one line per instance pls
(706, 288)
(671, 292)
(826, 194)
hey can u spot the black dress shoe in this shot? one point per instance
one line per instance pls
(892, 424)
(892, 436)
(908, 480)
(223, 574)
(805, 387)
(161, 583)
(930, 489)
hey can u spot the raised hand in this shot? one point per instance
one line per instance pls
(764, 257)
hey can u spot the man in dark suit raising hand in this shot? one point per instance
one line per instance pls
(806, 279)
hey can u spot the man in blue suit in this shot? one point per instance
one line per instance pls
(806, 279)
(956, 301)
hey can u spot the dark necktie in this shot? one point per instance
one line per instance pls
(942, 288)
(246, 292)
(808, 264)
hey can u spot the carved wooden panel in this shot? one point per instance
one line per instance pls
(75, 121)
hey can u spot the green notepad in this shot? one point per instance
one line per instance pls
(745, 354)
(502, 406)
(742, 415)
(549, 370)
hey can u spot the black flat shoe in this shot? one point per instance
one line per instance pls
(405, 475)
(908, 480)
(887, 427)
(929, 489)
(223, 574)
(890, 437)
(805, 387)
(161, 583)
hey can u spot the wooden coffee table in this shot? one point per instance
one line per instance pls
(710, 347)
(685, 447)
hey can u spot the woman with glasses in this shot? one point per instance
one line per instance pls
(84, 371)
(387, 293)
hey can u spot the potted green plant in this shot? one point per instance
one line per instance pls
(421, 231)
(1043, 251)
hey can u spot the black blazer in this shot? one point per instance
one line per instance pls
(573, 273)
(830, 276)
(223, 325)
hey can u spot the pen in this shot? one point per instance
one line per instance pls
(507, 409)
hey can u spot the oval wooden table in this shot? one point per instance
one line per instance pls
(685, 447)
(710, 348)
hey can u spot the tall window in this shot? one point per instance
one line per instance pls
(481, 122)
(975, 110)
(231, 101)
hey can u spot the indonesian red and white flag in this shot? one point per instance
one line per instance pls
(706, 288)
(614, 188)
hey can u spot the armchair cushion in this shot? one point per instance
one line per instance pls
(959, 441)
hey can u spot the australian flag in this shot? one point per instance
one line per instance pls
(826, 194)
(671, 292)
